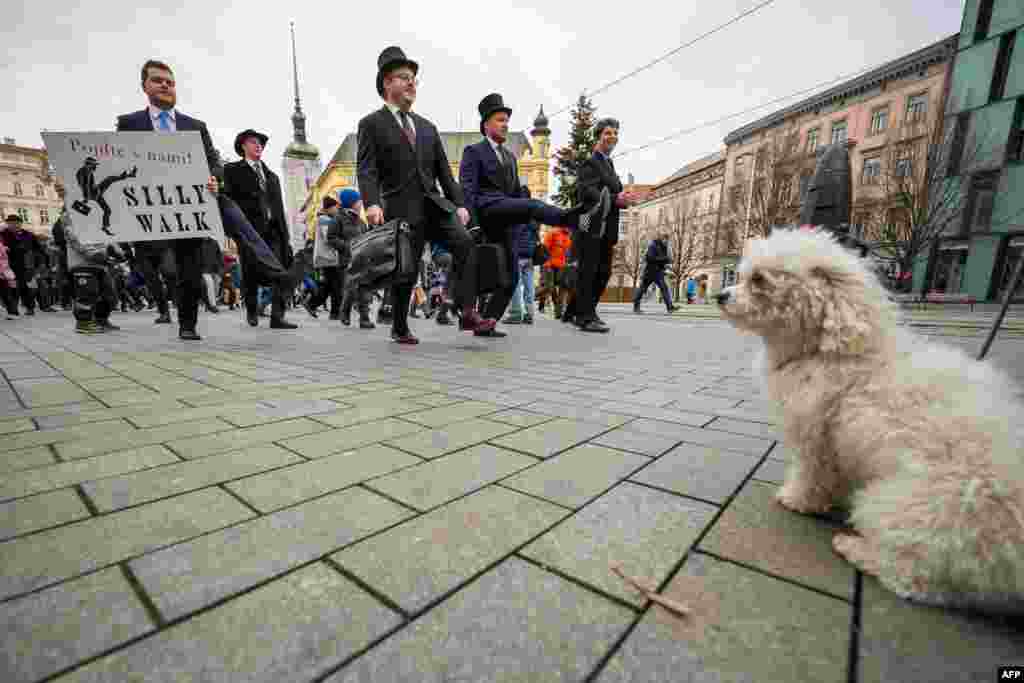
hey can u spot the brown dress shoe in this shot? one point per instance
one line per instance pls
(406, 338)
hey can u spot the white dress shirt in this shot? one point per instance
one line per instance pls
(398, 117)
(172, 121)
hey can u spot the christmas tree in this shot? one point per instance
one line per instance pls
(571, 157)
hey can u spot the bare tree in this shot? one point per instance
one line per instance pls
(629, 253)
(683, 243)
(927, 182)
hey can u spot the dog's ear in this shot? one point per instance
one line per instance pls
(847, 322)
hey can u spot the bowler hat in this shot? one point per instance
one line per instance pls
(390, 59)
(91, 161)
(489, 105)
(13, 218)
(248, 133)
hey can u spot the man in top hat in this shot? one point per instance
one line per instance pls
(489, 176)
(401, 163)
(594, 248)
(257, 191)
(161, 116)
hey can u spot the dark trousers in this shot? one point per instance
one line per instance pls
(438, 226)
(150, 258)
(506, 238)
(595, 269)
(516, 211)
(28, 297)
(94, 295)
(188, 261)
(332, 283)
(254, 276)
(655, 276)
(9, 294)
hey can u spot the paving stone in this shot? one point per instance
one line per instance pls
(550, 438)
(367, 411)
(423, 558)
(114, 493)
(700, 403)
(516, 622)
(186, 577)
(704, 437)
(51, 436)
(651, 445)
(757, 429)
(161, 416)
(578, 475)
(292, 629)
(750, 415)
(75, 366)
(211, 444)
(49, 411)
(436, 443)
(349, 438)
(281, 409)
(757, 531)
(60, 626)
(644, 530)
(519, 418)
(108, 384)
(903, 641)
(772, 470)
(664, 414)
(100, 413)
(40, 512)
(21, 424)
(27, 369)
(435, 400)
(438, 417)
(15, 461)
(51, 556)
(699, 471)
(743, 626)
(135, 438)
(294, 484)
(60, 475)
(442, 480)
(42, 392)
(578, 413)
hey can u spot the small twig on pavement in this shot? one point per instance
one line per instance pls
(650, 592)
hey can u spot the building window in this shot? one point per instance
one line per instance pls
(736, 198)
(44, 217)
(838, 132)
(39, 191)
(25, 218)
(1002, 70)
(711, 202)
(872, 171)
(739, 167)
(984, 20)
(904, 167)
(1014, 253)
(949, 270)
(17, 190)
(812, 139)
(879, 120)
(917, 107)
(980, 201)
(1015, 146)
(805, 182)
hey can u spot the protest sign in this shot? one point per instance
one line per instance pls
(135, 186)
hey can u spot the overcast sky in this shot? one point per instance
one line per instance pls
(75, 66)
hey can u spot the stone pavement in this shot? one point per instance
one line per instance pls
(322, 505)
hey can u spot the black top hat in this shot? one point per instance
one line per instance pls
(489, 105)
(13, 218)
(390, 59)
(248, 133)
(92, 161)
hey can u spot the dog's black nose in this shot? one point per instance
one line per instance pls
(722, 298)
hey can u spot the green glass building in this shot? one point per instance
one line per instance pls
(985, 112)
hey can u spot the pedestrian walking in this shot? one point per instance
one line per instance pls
(348, 226)
(327, 258)
(656, 260)
(557, 241)
(520, 309)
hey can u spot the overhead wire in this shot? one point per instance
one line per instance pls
(648, 65)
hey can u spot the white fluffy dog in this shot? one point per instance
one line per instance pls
(916, 439)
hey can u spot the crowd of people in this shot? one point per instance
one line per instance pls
(403, 173)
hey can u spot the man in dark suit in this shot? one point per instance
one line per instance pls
(594, 246)
(401, 163)
(161, 116)
(489, 175)
(257, 191)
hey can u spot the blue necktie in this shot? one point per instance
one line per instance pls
(165, 121)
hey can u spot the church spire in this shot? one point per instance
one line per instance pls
(298, 118)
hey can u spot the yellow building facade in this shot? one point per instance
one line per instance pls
(532, 152)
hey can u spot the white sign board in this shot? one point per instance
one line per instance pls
(135, 186)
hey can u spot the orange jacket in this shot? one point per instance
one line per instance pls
(557, 242)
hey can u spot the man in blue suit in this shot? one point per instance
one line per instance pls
(489, 176)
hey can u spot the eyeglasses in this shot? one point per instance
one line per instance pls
(407, 78)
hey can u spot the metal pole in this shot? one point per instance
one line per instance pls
(1015, 282)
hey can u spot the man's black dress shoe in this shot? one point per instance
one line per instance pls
(282, 325)
(493, 333)
(164, 319)
(189, 335)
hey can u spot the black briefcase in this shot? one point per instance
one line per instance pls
(81, 207)
(383, 256)
(492, 268)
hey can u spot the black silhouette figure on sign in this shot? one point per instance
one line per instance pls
(93, 192)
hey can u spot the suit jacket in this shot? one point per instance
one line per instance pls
(484, 179)
(140, 121)
(264, 209)
(397, 177)
(596, 173)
